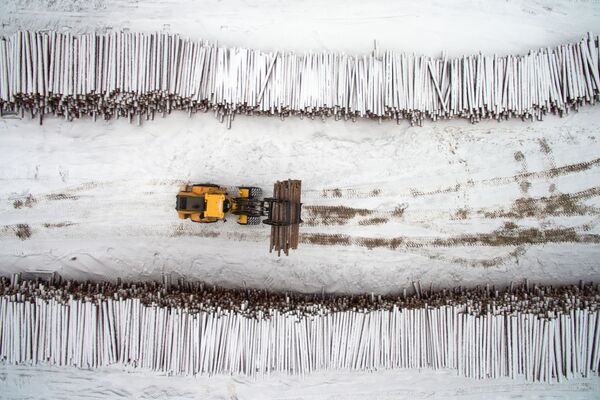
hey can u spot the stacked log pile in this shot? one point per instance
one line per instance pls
(539, 333)
(137, 75)
(285, 237)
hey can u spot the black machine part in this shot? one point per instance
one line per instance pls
(288, 217)
(264, 208)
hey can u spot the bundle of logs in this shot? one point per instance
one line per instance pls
(136, 75)
(286, 216)
(539, 333)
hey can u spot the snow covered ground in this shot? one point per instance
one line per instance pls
(449, 203)
(99, 198)
(43, 382)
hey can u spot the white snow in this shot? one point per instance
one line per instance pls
(104, 191)
(119, 181)
(67, 383)
(424, 27)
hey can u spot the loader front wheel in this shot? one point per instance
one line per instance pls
(253, 221)
(255, 192)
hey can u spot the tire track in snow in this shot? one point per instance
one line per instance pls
(73, 230)
(332, 193)
(544, 174)
(563, 204)
(21, 231)
(74, 192)
(197, 230)
(348, 193)
(498, 238)
(523, 176)
(518, 239)
(319, 215)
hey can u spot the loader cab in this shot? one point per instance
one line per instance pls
(190, 203)
(206, 208)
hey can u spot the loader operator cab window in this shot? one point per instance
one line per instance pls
(191, 203)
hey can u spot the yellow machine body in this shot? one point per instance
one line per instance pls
(206, 203)
(214, 206)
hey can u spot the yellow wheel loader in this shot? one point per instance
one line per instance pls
(207, 203)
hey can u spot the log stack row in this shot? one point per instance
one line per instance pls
(542, 333)
(137, 75)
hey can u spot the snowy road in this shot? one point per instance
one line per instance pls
(448, 203)
(66, 383)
